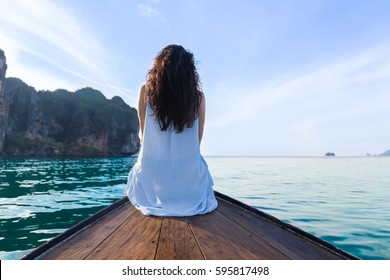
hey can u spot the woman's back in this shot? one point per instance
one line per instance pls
(170, 177)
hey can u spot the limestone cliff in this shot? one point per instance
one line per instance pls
(3, 104)
(63, 123)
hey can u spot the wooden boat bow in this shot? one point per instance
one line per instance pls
(233, 231)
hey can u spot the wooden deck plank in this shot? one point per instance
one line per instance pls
(294, 246)
(177, 241)
(220, 239)
(83, 243)
(135, 239)
(233, 231)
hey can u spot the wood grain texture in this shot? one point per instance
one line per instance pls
(135, 239)
(83, 243)
(222, 239)
(292, 245)
(232, 231)
(177, 241)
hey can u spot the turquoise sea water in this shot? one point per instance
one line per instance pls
(345, 201)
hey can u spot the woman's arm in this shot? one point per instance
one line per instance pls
(141, 112)
(201, 116)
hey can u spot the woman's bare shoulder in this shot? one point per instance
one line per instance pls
(202, 99)
(142, 90)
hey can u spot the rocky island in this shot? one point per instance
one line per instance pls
(63, 123)
(386, 153)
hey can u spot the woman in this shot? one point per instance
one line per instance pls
(170, 177)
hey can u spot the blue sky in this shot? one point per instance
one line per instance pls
(280, 77)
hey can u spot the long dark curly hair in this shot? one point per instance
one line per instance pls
(174, 89)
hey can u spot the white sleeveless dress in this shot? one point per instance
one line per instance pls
(170, 177)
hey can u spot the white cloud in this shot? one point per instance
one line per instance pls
(41, 34)
(332, 102)
(149, 12)
(354, 86)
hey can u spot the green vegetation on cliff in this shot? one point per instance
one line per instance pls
(84, 122)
